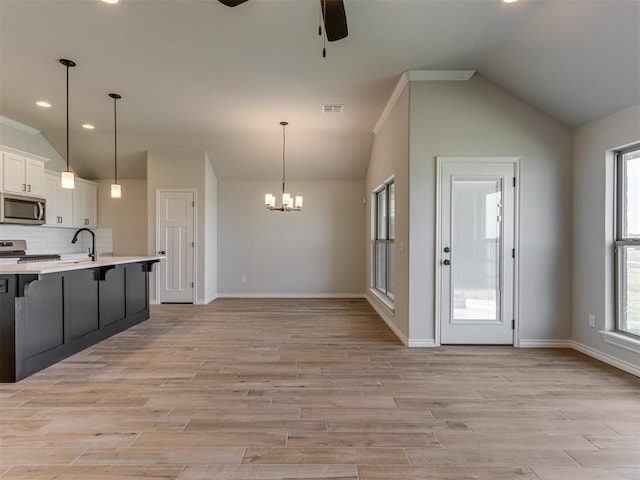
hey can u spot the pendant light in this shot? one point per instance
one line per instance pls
(67, 177)
(116, 191)
(290, 203)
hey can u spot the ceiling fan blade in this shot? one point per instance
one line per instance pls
(232, 3)
(335, 19)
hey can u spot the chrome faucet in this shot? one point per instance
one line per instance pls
(92, 254)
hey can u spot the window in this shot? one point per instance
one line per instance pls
(628, 241)
(384, 236)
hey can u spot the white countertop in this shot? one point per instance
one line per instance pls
(56, 266)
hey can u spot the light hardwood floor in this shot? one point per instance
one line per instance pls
(314, 389)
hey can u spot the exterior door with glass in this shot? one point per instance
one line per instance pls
(477, 250)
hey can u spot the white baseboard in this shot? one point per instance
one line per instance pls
(383, 313)
(544, 343)
(422, 342)
(290, 295)
(205, 301)
(592, 352)
(606, 358)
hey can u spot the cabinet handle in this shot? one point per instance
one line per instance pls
(86, 221)
(24, 187)
(28, 188)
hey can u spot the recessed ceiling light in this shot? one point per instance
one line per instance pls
(88, 126)
(111, 2)
(503, 1)
(42, 103)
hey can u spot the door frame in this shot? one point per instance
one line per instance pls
(194, 191)
(515, 161)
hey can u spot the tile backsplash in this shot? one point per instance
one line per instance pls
(57, 240)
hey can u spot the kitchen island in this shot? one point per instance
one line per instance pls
(52, 310)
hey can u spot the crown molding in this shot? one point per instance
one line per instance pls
(393, 99)
(18, 126)
(418, 76)
(439, 75)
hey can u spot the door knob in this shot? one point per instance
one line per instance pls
(162, 252)
(446, 262)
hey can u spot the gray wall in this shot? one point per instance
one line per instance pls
(476, 118)
(126, 216)
(211, 232)
(390, 156)
(593, 224)
(167, 170)
(316, 252)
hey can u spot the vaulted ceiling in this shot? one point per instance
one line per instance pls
(197, 75)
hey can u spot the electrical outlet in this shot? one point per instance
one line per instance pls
(592, 320)
(244, 279)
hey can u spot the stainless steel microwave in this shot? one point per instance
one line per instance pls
(22, 210)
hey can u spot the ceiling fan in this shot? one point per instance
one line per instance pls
(335, 19)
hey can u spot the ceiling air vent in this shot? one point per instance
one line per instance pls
(332, 109)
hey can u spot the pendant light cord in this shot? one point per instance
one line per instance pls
(67, 118)
(67, 63)
(284, 171)
(115, 140)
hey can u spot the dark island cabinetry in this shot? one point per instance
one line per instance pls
(47, 317)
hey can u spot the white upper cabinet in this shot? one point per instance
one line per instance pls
(22, 175)
(85, 204)
(59, 201)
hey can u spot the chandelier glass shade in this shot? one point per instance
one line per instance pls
(290, 203)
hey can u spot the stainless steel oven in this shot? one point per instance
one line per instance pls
(22, 210)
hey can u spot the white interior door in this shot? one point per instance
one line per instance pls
(176, 240)
(476, 258)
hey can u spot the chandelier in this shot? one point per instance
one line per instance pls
(290, 203)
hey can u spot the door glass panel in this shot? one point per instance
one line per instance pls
(476, 238)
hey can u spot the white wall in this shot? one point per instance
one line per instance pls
(315, 252)
(390, 156)
(211, 232)
(476, 118)
(47, 240)
(593, 224)
(126, 217)
(179, 170)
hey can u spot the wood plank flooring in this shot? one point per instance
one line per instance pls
(314, 389)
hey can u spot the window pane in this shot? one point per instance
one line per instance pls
(392, 210)
(629, 289)
(382, 214)
(390, 282)
(631, 200)
(380, 270)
